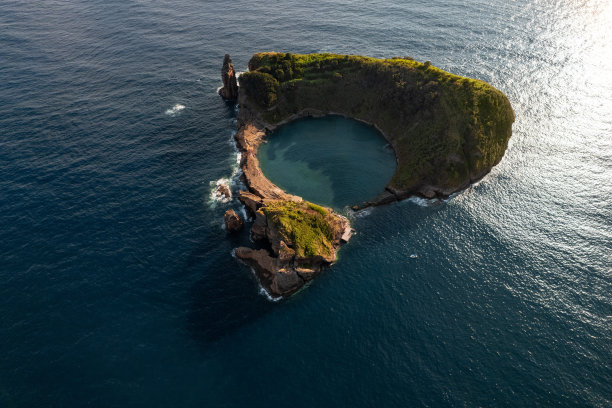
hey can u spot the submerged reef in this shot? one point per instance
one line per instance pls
(447, 132)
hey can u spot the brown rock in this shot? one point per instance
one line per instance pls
(285, 254)
(263, 264)
(228, 75)
(224, 191)
(232, 221)
(307, 273)
(250, 201)
(428, 193)
(260, 225)
(287, 281)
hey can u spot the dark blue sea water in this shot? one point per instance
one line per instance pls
(117, 284)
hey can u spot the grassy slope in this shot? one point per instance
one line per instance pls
(445, 129)
(306, 227)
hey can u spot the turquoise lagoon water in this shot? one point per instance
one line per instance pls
(117, 283)
(333, 161)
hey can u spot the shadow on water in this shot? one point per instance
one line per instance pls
(227, 297)
(230, 107)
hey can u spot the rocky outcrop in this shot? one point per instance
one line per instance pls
(286, 267)
(232, 221)
(224, 191)
(228, 75)
(277, 279)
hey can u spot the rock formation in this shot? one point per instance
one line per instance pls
(224, 191)
(289, 263)
(228, 75)
(233, 222)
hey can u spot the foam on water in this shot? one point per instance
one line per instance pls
(173, 111)
(264, 292)
(232, 182)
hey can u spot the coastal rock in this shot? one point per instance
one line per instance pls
(223, 190)
(275, 282)
(285, 254)
(228, 75)
(251, 201)
(276, 279)
(263, 264)
(233, 222)
(258, 184)
(259, 227)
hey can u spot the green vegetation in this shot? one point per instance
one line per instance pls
(446, 130)
(308, 228)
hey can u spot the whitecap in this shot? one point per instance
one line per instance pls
(215, 194)
(175, 109)
(423, 202)
(363, 213)
(264, 292)
(244, 213)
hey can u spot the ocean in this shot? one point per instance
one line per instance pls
(117, 283)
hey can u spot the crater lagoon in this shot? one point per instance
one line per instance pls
(332, 161)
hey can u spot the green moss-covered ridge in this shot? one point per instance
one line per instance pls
(446, 130)
(307, 228)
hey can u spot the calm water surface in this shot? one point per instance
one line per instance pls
(332, 161)
(117, 282)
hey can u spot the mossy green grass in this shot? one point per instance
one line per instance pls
(306, 227)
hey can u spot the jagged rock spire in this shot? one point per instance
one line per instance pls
(228, 75)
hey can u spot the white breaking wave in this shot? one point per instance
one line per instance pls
(215, 193)
(175, 109)
(363, 213)
(244, 214)
(423, 202)
(230, 182)
(264, 292)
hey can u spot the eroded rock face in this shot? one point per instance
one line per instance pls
(280, 276)
(233, 222)
(228, 75)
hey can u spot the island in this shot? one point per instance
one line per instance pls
(446, 131)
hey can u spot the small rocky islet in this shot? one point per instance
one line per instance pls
(447, 132)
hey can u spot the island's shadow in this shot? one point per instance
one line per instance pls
(227, 297)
